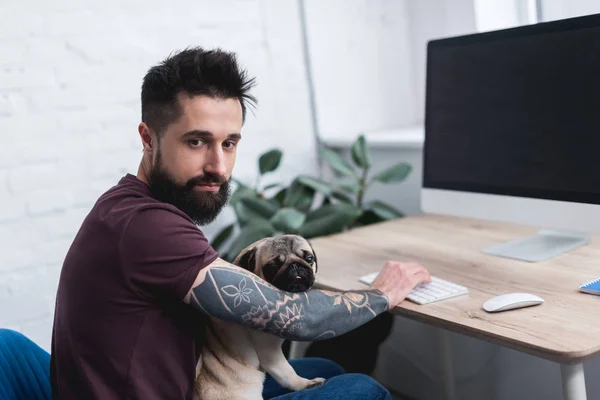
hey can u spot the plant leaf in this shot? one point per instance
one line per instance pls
(287, 220)
(222, 236)
(270, 186)
(324, 212)
(360, 152)
(384, 211)
(255, 230)
(368, 217)
(269, 161)
(330, 218)
(342, 196)
(241, 192)
(262, 207)
(245, 215)
(337, 162)
(280, 197)
(299, 196)
(395, 173)
(317, 184)
(350, 187)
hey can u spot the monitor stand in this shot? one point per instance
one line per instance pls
(546, 244)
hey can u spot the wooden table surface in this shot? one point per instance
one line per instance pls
(565, 328)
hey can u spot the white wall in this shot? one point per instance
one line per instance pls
(70, 78)
(497, 14)
(434, 19)
(559, 9)
(362, 70)
(368, 60)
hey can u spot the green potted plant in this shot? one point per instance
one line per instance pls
(308, 206)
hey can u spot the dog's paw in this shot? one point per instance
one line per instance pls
(311, 383)
(303, 383)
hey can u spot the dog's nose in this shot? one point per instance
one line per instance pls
(294, 270)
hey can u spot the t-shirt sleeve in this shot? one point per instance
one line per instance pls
(162, 252)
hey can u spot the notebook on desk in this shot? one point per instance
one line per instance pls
(591, 287)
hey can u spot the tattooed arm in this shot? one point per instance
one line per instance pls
(228, 292)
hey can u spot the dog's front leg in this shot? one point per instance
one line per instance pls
(272, 361)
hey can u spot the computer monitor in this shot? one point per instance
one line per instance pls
(512, 132)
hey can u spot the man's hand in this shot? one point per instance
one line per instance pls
(397, 279)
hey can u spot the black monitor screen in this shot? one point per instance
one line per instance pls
(516, 112)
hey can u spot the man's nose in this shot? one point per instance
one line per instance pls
(216, 163)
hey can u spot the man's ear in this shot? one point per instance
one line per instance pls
(314, 256)
(148, 138)
(247, 260)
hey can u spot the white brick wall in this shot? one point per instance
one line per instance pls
(70, 78)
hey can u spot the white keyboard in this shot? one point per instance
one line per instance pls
(425, 293)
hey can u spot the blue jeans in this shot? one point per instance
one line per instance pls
(337, 386)
(24, 368)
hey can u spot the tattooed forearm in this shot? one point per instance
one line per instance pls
(239, 296)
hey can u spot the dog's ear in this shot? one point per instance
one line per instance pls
(247, 260)
(314, 256)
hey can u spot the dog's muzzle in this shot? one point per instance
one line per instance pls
(296, 278)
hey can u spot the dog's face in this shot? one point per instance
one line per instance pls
(288, 262)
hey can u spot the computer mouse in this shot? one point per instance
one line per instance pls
(511, 301)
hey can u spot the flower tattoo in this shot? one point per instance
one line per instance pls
(239, 293)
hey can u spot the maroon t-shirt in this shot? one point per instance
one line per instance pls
(121, 328)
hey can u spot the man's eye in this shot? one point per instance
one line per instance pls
(229, 144)
(195, 142)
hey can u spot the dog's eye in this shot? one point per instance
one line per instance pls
(309, 259)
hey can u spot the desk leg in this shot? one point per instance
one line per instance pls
(446, 360)
(573, 382)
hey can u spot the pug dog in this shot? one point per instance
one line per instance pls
(235, 358)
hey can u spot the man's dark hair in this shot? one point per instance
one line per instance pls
(194, 71)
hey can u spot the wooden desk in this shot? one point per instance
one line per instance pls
(563, 329)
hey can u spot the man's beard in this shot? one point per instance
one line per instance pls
(201, 206)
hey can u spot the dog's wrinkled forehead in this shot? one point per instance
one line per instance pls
(281, 248)
(286, 244)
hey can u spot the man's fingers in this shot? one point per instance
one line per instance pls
(414, 267)
(423, 275)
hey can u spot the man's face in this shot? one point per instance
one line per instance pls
(193, 162)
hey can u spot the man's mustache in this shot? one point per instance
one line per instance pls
(206, 179)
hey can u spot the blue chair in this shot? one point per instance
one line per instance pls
(24, 368)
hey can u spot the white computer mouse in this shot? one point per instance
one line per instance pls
(511, 301)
